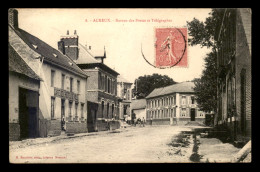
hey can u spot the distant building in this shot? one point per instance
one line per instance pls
(124, 92)
(174, 104)
(101, 89)
(234, 75)
(139, 108)
(62, 87)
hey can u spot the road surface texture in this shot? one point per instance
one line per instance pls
(149, 144)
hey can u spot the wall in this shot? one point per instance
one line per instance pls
(46, 92)
(140, 113)
(165, 121)
(76, 127)
(15, 81)
(243, 60)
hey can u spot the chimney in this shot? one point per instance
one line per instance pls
(61, 47)
(13, 18)
(68, 45)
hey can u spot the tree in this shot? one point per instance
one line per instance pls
(147, 83)
(204, 34)
(206, 86)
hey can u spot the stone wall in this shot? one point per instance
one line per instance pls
(14, 131)
(76, 127)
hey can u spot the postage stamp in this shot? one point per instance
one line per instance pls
(171, 47)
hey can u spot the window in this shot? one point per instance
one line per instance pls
(76, 110)
(106, 83)
(71, 84)
(78, 86)
(102, 109)
(112, 110)
(192, 100)
(183, 112)
(82, 110)
(99, 80)
(128, 94)
(52, 107)
(62, 80)
(62, 108)
(52, 78)
(70, 106)
(107, 109)
(183, 100)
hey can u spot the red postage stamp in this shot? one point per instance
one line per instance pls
(171, 47)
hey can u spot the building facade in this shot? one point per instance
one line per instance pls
(124, 92)
(234, 73)
(101, 88)
(173, 105)
(138, 107)
(62, 99)
(24, 85)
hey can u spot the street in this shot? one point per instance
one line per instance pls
(132, 144)
(149, 144)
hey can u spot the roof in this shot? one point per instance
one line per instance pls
(87, 60)
(85, 56)
(49, 53)
(138, 104)
(184, 87)
(97, 52)
(17, 64)
(246, 16)
(122, 79)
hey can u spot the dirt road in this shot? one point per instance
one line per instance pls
(132, 144)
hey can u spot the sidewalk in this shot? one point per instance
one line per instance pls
(46, 140)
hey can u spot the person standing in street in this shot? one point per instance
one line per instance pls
(143, 121)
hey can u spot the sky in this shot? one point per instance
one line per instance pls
(123, 32)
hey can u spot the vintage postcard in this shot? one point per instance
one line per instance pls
(115, 85)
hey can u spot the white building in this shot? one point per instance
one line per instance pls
(174, 104)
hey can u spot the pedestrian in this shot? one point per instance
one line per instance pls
(143, 121)
(63, 123)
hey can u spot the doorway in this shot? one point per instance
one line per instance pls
(28, 113)
(63, 114)
(92, 116)
(243, 101)
(192, 114)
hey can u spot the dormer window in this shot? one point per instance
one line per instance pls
(55, 55)
(35, 46)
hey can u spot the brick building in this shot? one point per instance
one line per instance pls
(124, 92)
(62, 89)
(234, 73)
(174, 104)
(101, 89)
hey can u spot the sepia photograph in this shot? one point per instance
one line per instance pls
(121, 85)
